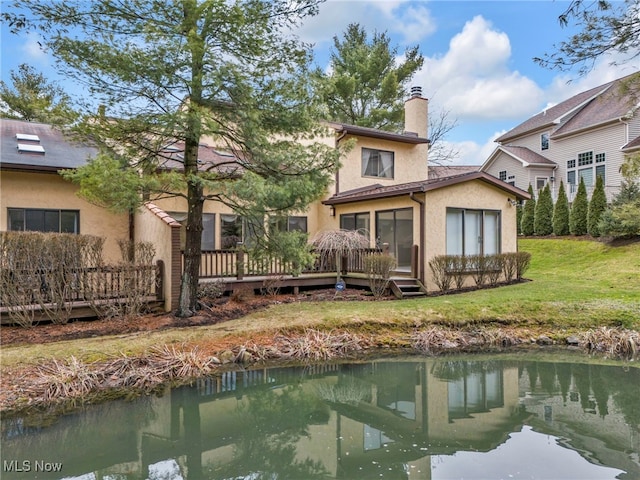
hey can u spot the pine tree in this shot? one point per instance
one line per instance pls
(543, 220)
(579, 211)
(528, 214)
(561, 213)
(597, 206)
(176, 73)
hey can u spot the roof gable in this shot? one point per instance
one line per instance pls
(589, 108)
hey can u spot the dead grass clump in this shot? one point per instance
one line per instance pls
(70, 379)
(171, 362)
(615, 342)
(436, 339)
(316, 345)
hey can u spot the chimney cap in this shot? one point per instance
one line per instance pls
(416, 91)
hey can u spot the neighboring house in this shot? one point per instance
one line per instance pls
(384, 188)
(586, 136)
(33, 196)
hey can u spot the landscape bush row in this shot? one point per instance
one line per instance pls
(620, 218)
(45, 273)
(452, 271)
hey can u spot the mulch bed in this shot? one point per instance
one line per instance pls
(212, 312)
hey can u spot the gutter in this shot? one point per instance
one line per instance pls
(421, 253)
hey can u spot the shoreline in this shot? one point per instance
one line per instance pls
(56, 385)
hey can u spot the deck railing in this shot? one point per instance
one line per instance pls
(237, 263)
(38, 286)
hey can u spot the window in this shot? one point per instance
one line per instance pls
(541, 182)
(585, 158)
(290, 224)
(230, 231)
(377, 163)
(356, 221)
(511, 180)
(544, 141)
(502, 175)
(472, 232)
(208, 229)
(41, 220)
(589, 172)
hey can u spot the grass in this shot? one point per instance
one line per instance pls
(575, 285)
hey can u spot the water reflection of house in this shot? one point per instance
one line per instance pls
(354, 421)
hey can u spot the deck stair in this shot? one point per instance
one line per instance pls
(407, 287)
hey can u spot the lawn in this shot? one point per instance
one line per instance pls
(575, 285)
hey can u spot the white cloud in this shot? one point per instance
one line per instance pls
(32, 50)
(473, 80)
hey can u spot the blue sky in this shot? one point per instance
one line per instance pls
(478, 58)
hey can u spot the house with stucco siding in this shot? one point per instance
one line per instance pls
(383, 189)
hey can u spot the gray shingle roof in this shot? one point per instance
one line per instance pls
(378, 191)
(589, 108)
(526, 155)
(60, 151)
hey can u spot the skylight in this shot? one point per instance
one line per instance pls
(26, 148)
(27, 137)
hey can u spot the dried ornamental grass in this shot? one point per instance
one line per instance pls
(617, 343)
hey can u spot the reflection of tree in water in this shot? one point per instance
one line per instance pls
(563, 371)
(583, 384)
(269, 425)
(600, 390)
(547, 374)
(532, 372)
(627, 395)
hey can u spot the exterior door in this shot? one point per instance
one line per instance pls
(395, 227)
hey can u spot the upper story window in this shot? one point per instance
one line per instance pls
(585, 158)
(377, 163)
(586, 171)
(544, 141)
(43, 220)
(502, 175)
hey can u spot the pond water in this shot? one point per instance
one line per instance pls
(402, 418)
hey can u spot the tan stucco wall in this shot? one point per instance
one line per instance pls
(148, 227)
(410, 163)
(42, 190)
(471, 195)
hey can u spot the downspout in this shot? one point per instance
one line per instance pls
(421, 253)
(338, 138)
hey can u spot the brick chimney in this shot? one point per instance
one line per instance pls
(415, 113)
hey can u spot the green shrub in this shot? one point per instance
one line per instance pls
(528, 215)
(597, 206)
(561, 213)
(579, 211)
(543, 219)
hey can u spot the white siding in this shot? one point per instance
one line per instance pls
(504, 162)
